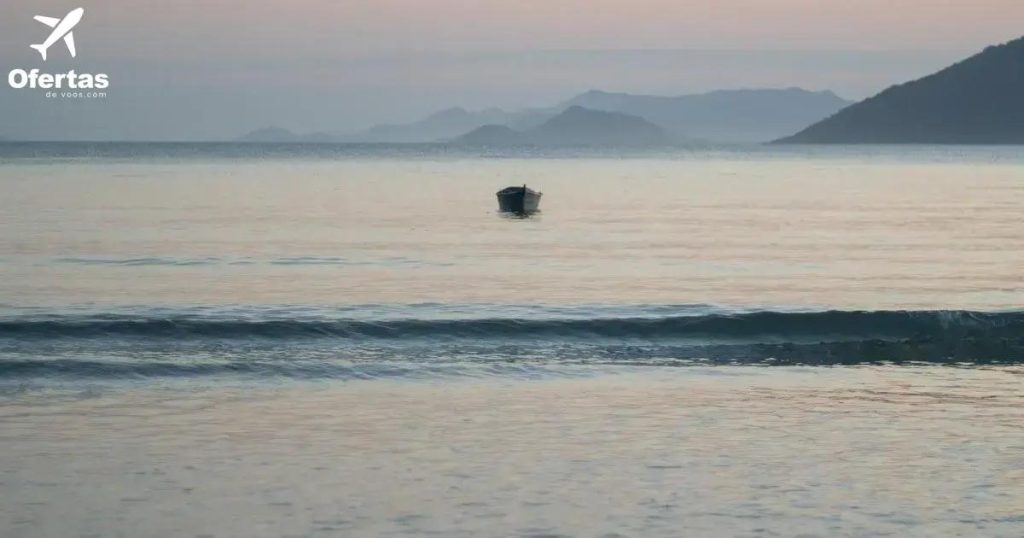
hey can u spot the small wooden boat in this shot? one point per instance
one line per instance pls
(518, 200)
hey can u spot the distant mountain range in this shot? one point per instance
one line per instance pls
(977, 101)
(576, 127)
(721, 116)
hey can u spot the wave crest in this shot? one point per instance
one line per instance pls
(771, 327)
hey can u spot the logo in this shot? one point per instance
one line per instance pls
(71, 80)
(61, 28)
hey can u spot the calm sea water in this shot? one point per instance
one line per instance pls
(240, 340)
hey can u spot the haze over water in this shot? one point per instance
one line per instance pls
(324, 340)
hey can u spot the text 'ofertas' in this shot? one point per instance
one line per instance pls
(19, 78)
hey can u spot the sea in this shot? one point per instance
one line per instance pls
(240, 340)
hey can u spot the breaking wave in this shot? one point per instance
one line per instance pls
(119, 346)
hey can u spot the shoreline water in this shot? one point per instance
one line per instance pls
(912, 451)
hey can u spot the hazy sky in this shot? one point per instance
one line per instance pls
(212, 69)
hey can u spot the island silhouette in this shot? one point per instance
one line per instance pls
(576, 127)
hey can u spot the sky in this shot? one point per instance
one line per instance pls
(214, 69)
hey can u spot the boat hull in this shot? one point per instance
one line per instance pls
(518, 200)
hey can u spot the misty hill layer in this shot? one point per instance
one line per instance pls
(576, 126)
(493, 135)
(977, 101)
(725, 115)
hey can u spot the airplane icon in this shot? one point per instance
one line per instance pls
(61, 28)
